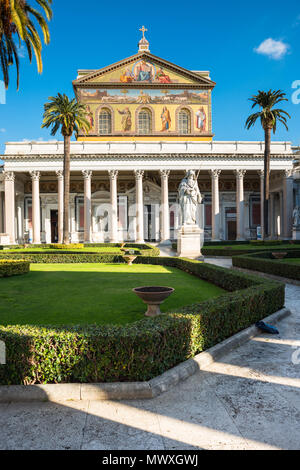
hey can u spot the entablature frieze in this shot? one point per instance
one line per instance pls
(157, 156)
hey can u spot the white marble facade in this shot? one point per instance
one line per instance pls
(127, 190)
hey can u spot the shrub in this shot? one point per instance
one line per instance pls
(69, 256)
(65, 257)
(71, 246)
(9, 267)
(250, 248)
(266, 242)
(144, 349)
(264, 262)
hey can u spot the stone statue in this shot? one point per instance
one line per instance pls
(189, 198)
(296, 216)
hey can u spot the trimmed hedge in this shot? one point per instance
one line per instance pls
(227, 251)
(265, 242)
(10, 267)
(144, 349)
(65, 257)
(69, 256)
(145, 249)
(226, 248)
(264, 262)
(70, 246)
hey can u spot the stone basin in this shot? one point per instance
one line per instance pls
(129, 259)
(279, 254)
(153, 296)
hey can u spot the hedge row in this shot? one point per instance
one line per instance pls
(264, 262)
(65, 257)
(226, 248)
(61, 256)
(70, 246)
(10, 267)
(144, 349)
(145, 249)
(227, 251)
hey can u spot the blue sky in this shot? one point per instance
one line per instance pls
(246, 45)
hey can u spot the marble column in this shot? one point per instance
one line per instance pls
(72, 223)
(9, 188)
(240, 204)
(272, 215)
(36, 211)
(215, 207)
(262, 184)
(87, 175)
(165, 212)
(288, 203)
(20, 218)
(60, 205)
(139, 206)
(280, 234)
(113, 176)
(1, 212)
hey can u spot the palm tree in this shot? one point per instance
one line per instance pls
(68, 116)
(18, 21)
(269, 117)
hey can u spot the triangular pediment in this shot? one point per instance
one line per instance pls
(143, 69)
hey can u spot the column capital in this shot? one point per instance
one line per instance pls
(240, 173)
(35, 175)
(164, 174)
(87, 174)
(9, 176)
(261, 174)
(113, 174)
(139, 174)
(215, 173)
(59, 174)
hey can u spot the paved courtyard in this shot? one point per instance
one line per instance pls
(248, 400)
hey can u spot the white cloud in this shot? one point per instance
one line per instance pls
(2, 130)
(272, 48)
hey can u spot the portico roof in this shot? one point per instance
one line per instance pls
(226, 148)
(127, 156)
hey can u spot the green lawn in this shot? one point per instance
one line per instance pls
(93, 293)
(290, 260)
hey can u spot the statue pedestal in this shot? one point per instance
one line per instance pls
(4, 239)
(189, 242)
(296, 232)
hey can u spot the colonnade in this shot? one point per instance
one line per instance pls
(9, 186)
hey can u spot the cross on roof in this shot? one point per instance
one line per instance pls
(143, 29)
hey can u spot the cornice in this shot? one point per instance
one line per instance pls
(158, 156)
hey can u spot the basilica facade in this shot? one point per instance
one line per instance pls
(151, 121)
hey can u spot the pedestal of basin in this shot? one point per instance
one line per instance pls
(153, 296)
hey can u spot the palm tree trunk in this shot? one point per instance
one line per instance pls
(66, 231)
(266, 180)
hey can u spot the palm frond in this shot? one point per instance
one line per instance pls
(266, 100)
(18, 22)
(68, 116)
